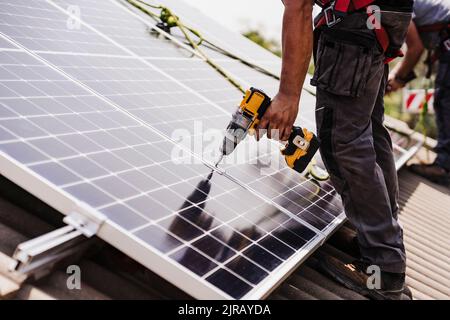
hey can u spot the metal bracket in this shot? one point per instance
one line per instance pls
(84, 219)
(37, 256)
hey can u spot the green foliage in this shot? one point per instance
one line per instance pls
(269, 44)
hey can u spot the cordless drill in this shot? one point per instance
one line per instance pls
(300, 147)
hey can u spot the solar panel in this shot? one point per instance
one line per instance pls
(63, 126)
(88, 115)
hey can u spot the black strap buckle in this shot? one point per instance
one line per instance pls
(330, 17)
(446, 45)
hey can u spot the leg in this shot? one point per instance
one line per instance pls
(360, 181)
(439, 171)
(349, 151)
(383, 147)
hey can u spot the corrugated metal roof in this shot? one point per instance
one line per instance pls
(425, 216)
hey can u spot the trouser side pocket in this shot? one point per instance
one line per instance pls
(342, 67)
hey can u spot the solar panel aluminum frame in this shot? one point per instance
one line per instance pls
(407, 154)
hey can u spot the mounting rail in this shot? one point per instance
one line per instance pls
(38, 256)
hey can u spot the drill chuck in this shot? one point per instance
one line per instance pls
(228, 146)
(236, 131)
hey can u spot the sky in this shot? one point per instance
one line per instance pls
(240, 15)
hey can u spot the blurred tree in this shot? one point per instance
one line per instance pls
(269, 44)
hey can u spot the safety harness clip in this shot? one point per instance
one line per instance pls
(330, 17)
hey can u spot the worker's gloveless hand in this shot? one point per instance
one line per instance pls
(279, 118)
(393, 84)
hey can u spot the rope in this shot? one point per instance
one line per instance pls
(169, 20)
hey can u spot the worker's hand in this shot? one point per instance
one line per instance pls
(280, 116)
(393, 84)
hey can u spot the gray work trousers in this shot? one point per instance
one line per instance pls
(355, 146)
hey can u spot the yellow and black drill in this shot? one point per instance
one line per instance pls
(299, 149)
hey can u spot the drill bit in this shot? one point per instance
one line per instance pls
(219, 160)
(208, 178)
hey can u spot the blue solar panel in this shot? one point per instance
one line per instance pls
(90, 109)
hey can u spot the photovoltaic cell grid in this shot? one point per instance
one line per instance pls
(151, 199)
(96, 153)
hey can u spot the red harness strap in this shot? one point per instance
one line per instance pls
(383, 40)
(358, 4)
(342, 6)
(345, 6)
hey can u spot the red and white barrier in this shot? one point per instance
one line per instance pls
(414, 99)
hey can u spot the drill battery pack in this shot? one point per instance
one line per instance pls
(300, 148)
